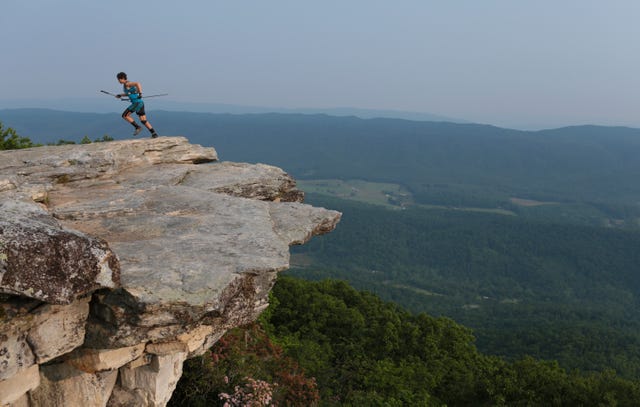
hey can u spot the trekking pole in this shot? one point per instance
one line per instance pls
(155, 96)
(121, 98)
(144, 97)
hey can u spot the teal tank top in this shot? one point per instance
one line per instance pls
(132, 93)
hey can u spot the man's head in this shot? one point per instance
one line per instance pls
(122, 77)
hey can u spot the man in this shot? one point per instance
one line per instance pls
(133, 90)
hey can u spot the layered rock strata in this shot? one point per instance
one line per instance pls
(120, 260)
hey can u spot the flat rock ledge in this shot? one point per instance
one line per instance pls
(120, 260)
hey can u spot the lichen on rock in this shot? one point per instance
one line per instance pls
(166, 247)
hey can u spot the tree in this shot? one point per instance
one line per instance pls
(9, 139)
(104, 138)
(244, 368)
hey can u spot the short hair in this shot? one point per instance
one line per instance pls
(122, 75)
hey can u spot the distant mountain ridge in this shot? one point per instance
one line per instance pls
(460, 164)
(108, 105)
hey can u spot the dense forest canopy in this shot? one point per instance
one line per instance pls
(327, 344)
(555, 291)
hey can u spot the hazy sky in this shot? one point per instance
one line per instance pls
(506, 62)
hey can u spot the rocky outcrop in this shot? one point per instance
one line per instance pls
(120, 260)
(42, 260)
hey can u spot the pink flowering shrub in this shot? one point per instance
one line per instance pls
(254, 393)
(244, 368)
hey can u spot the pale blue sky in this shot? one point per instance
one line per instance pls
(513, 63)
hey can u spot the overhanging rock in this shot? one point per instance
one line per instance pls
(173, 246)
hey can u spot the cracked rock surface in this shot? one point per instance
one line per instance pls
(144, 242)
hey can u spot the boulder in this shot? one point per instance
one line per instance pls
(119, 260)
(41, 259)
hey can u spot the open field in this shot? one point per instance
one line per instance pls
(393, 196)
(529, 202)
(390, 195)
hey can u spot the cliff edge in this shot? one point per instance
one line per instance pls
(120, 260)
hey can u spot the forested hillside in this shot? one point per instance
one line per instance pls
(554, 291)
(327, 344)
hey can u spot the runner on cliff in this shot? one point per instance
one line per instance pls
(133, 90)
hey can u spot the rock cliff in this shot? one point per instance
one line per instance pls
(120, 260)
